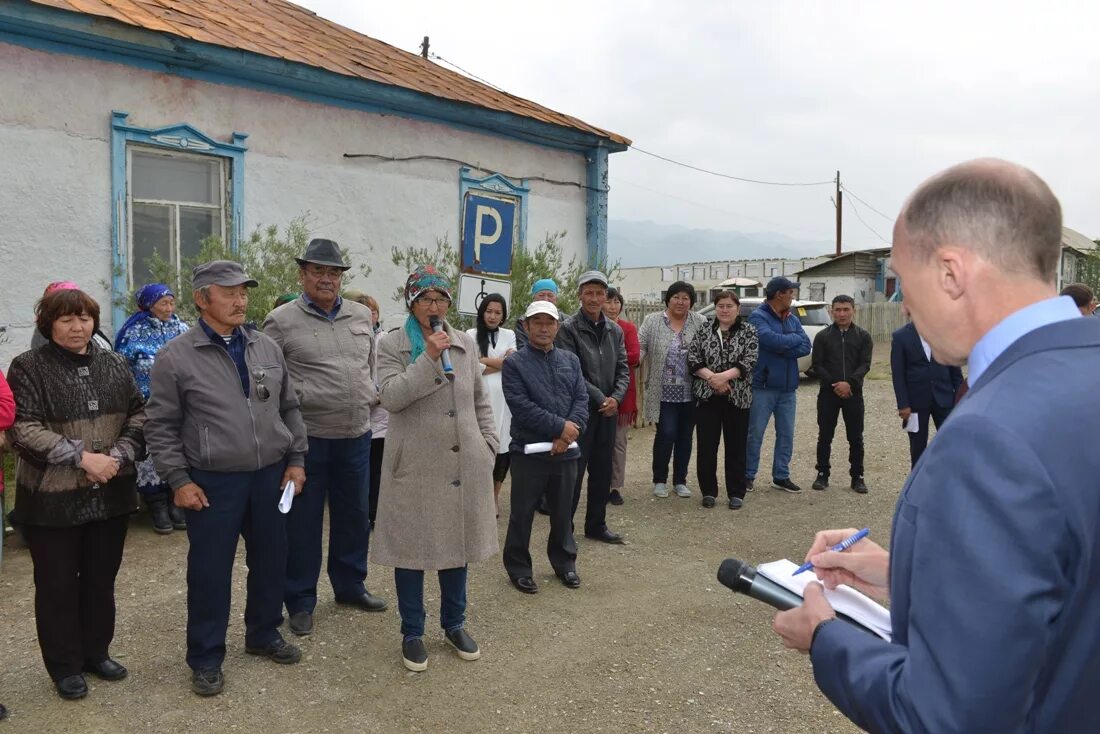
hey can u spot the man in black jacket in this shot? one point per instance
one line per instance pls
(841, 359)
(598, 343)
(546, 393)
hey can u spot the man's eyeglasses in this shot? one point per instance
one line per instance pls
(318, 271)
(261, 389)
(443, 302)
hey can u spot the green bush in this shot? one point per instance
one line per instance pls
(545, 260)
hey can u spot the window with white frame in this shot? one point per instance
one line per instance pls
(176, 200)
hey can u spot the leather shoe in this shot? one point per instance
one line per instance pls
(526, 584)
(570, 579)
(106, 669)
(278, 650)
(208, 681)
(301, 623)
(366, 601)
(72, 687)
(605, 536)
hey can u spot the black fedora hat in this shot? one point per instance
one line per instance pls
(323, 252)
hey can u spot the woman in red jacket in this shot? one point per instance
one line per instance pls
(628, 411)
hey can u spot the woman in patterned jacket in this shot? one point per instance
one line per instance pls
(721, 357)
(78, 429)
(143, 335)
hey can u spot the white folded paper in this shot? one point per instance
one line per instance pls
(542, 447)
(287, 497)
(843, 598)
(913, 424)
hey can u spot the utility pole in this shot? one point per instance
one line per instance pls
(424, 51)
(839, 212)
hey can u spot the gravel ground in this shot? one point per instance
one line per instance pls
(650, 642)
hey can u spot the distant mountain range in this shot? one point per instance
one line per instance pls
(640, 244)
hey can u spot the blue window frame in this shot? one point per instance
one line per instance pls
(170, 188)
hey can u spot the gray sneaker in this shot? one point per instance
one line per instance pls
(682, 490)
(660, 489)
(786, 485)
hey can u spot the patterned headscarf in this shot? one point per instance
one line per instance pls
(61, 285)
(425, 278)
(146, 296)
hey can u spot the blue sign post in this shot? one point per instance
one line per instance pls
(488, 233)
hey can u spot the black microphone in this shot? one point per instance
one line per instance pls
(742, 578)
(437, 326)
(739, 576)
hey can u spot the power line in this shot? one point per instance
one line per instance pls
(861, 201)
(437, 57)
(730, 176)
(860, 218)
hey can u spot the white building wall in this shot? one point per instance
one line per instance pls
(647, 283)
(55, 191)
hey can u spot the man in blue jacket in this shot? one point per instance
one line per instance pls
(775, 381)
(922, 386)
(993, 573)
(545, 391)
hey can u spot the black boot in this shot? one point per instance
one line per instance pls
(176, 514)
(158, 509)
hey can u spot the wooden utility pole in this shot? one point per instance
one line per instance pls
(424, 48)
(839, 212)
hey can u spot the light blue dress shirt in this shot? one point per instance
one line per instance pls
(1004, 334)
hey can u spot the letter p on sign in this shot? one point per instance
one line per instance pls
(480, 237)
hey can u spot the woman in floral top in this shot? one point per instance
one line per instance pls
(722, 357)
(152, 326)
(664, 339)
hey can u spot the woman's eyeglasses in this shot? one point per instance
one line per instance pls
(261, 389)
(442, 302)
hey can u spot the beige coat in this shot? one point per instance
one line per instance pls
(435, 503)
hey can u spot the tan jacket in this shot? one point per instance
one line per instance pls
(435, 505)
(330, 365)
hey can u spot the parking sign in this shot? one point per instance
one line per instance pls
(489, 232)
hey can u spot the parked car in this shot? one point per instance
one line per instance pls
(814, 316)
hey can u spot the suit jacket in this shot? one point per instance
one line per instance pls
(918, 383)
(994, 561)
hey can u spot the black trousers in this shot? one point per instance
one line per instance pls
(918, 441)
(597, 445)
(74, 591)
(829, 407)
(377, 446)
(718, 419)
(532, 479)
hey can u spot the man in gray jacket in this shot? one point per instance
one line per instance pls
(598, 343)
(225, 431)
(328, 343)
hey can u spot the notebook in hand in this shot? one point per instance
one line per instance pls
(844, 599)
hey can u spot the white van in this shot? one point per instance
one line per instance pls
(814, 316)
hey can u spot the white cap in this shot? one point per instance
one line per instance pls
(542, 307)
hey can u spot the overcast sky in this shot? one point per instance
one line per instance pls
(787, 91)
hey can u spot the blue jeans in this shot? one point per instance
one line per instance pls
(339, 469)
(764, 404)
(410, 599)
(673, 441)
(241, 503)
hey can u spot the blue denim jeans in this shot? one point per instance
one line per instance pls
(675, 427)
(410, 599)
(765, 403)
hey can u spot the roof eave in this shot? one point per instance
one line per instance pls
(64, 31)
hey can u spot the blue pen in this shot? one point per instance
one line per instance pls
(841, 546)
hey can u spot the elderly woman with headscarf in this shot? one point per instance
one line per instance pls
(78, 428)
(143, 335)
(436, 512)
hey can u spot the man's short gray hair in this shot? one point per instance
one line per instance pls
(204, 291)
(1000, 210)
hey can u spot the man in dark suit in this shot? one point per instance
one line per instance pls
(921, 385)
(993, 572)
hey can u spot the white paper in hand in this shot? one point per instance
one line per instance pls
(543, 447)
(913, 424)
(287, 498)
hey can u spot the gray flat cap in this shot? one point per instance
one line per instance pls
(220, 272)
(592, 276)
